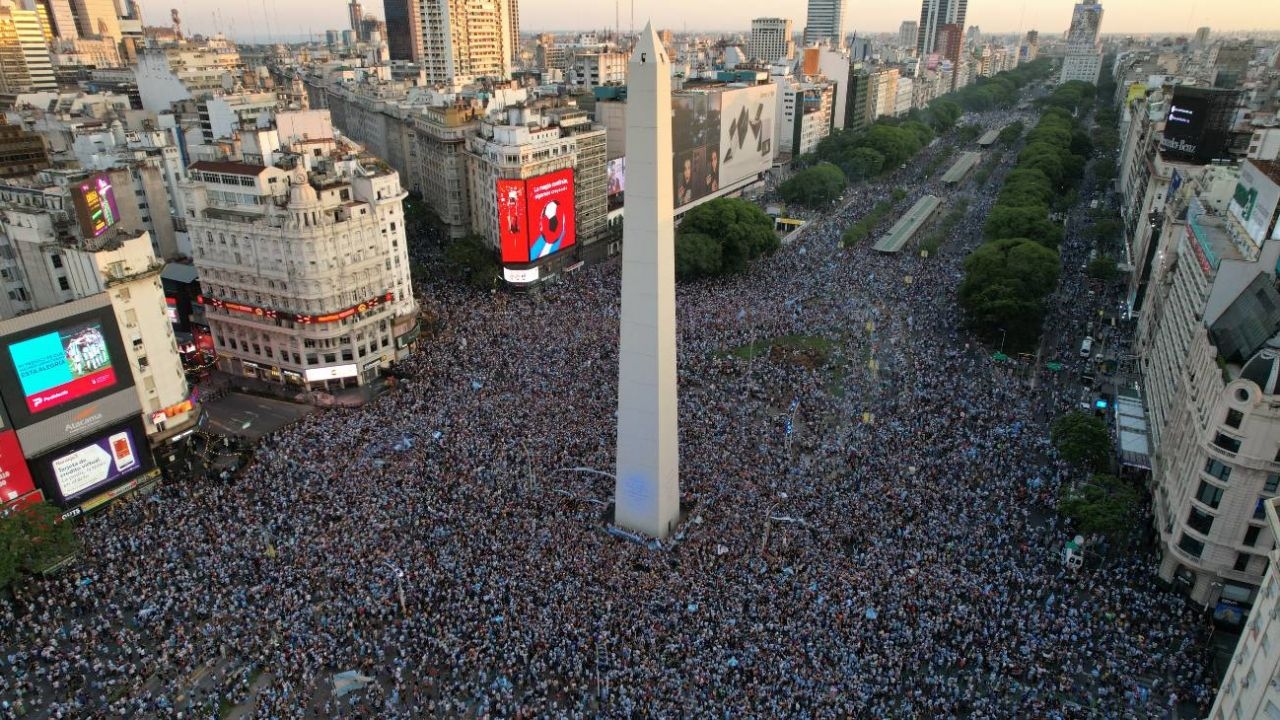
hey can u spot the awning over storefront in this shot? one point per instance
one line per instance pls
(1131, 429)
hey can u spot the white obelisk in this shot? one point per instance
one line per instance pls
(647, 493)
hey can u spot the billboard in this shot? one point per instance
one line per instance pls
(15, 477)
(89, 466)
(550, 218)
(1198, 123)
(62, 364)
(721, 138)
(59, 428)
(513, 232)
(95, 203)
(1254, 202)
(695, 140)
(616, 170)
(333, 372)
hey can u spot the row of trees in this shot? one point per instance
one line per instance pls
(1007, 277)
(1104, 503)
(721, 237)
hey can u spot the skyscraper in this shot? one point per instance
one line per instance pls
(1083, 60)
(771, 40)
(466, 39)
(825, 22)
(907, 33)
(356, 13)
(24, 56)
(404, 29)
(97, 18)
(933, 15)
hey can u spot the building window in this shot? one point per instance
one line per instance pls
(1272, 484)
(1226, 443)
(1260, 509)
(1242, 562)
(1218, 469)
(56, 260)
(1251, 535)
(330, 358)
(1209, 494)
(1234, 418)
(1190, 545)
(1200, 521)
(63, 284)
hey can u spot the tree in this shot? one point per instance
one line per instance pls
(697, 256)
(473, 261)
(1011, 132)
(1082, 439)
(1103, 268)
(1004, 287)
(1030, 221)
(742, 231)
(1106, 505)
(815, 187)
(862, 163)
(32, 539)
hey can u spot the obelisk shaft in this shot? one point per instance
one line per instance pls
(647, 494)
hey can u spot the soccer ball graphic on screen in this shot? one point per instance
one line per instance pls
(551, 227)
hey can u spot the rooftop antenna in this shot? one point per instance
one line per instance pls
(267, 16)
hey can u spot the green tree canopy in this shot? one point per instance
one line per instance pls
(1004, 286)
(697, 256)
(741, 229)
(815, 187)
(1030, 221)
(1082, 439)
(1106, 505)
(32, 539)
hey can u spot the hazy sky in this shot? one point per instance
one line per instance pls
(250, 19)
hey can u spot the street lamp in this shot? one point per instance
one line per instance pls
(1003, 332)
(399, 585)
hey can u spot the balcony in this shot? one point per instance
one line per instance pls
(114, 275)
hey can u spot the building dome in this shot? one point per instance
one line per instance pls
(1262, 369)
(301, 194)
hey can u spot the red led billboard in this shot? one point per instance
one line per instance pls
(550, 218)
(512, 227)
(15, 478)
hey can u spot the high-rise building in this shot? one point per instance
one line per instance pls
(1202, 37)
(24, 55)
(770, 40)
(825, 22)
(1083, 60)
(907, 33)
(513, 19)
(356, 14)
(467, 39)
(62, 17)
(933, 15)
(97, 18)
(404, 29)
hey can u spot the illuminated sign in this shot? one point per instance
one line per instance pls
(550, 200)
(95, 205)
(301, 318)
(513, 232)
(335, 372)
(513, 275)
(15, 477)
(64, 365)
(99, 463)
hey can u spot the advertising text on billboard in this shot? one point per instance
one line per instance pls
(617, 172)
(101, 462)
(95, 203)
(63, 365)
(1254, 202)
(550, 216)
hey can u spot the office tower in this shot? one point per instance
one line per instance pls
(404, 29)
(933, 15)
(62, 17)
(1083, 60)
(647, 489)
(24, 56)
(97, 18)
(1202, 37)
(513, 19)
(770, 40)
(824, 23)
(907, 33)
(356, 14)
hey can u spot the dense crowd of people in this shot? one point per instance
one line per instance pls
(887, 547)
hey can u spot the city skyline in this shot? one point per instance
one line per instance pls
(290, 20)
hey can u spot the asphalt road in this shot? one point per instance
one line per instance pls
(250, 415)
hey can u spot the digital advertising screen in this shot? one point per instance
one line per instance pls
(746, 132)
(513, 230)
(63, 365)
(1254, 202)
(617, 173)
(15, 477)
(57, 366)
(90, 466)
(695, 135)
(550, 216)
(96, 207)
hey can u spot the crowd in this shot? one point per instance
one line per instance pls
(896, 556)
